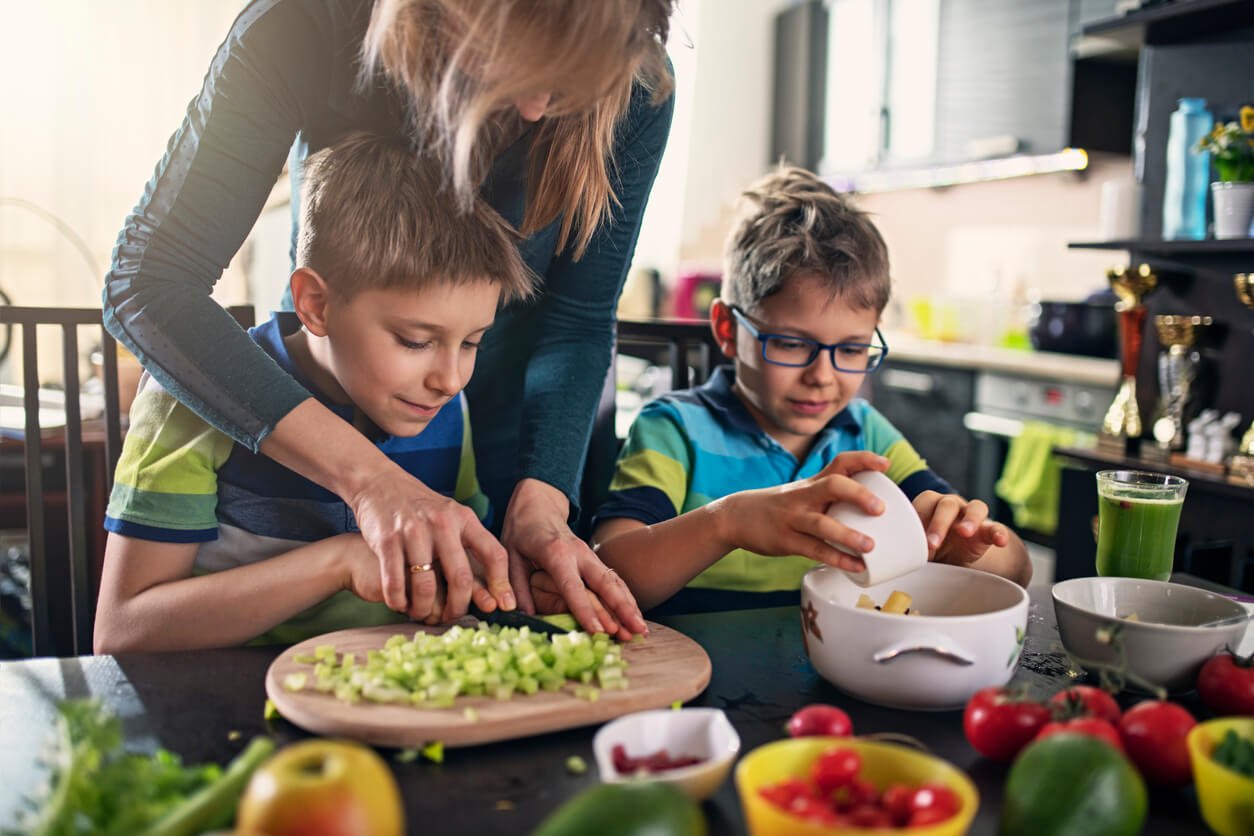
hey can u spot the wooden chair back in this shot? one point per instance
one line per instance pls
(62, 585)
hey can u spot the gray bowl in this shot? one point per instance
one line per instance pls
(1169, 641)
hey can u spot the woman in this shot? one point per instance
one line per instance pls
(557, 110)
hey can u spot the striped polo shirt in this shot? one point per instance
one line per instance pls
(690, 447)
(179, 480)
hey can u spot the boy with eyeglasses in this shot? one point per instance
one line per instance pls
(719, 493)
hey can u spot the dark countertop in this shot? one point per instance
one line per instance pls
(191, 702)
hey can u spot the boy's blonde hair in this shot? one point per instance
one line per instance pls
(374, 215)
(792, 222)
(463, 62)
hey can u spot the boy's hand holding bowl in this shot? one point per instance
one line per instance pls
(796, 518)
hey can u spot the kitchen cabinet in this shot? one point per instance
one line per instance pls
(995, 77)
(927, 403)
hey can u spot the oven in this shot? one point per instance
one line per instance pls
(1003, 403)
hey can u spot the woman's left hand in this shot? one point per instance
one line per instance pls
(536, 536)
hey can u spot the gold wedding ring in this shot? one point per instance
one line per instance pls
(419, 568)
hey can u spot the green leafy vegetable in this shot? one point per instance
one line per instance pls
(96, 787)
(1236, 753)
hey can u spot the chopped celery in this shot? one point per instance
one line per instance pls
(431, 671)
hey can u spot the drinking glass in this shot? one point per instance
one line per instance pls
(1137, 517)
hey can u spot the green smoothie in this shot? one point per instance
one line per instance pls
(1138, 514)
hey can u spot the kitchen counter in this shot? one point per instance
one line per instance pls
(1042, 364)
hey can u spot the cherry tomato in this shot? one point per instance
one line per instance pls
(1153, 735)
(896, 800)
(835, 768)
(813, 809)
(998, 724)
(1091, 726)
(1226, 684)
(869, 815)
(923, 818)
(934, 797)
(785, 792)
(1085, 700)
(820, 720)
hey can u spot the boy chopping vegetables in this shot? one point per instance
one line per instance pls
(212, 545)
(719, 494)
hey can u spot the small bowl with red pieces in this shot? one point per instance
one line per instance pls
(832, 786)
(691, 748)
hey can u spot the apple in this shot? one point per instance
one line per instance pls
(322, 788)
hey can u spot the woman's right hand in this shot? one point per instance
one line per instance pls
(406, 524)
(791, 519)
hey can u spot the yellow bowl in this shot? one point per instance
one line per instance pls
(882, 764)
(1226, 797)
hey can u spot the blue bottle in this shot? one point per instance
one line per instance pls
(1188, 173)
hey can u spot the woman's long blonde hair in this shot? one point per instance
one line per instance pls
(464, 62)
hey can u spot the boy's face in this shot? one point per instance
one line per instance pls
(793, 403)
(399, 355)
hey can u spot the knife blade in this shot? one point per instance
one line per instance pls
(517, 618)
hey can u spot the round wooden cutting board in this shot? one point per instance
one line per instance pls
(665, 667)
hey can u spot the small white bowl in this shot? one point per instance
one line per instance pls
(969, 636)
(704, 733)
(900, 542)
(1166, 645)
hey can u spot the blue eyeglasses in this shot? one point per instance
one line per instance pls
(787, 350)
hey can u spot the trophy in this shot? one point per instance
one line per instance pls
(1122, 423)
(1241, 468)
(1177, 369)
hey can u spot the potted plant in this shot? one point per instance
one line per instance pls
(1231, 146)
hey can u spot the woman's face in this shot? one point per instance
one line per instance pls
(531, 108)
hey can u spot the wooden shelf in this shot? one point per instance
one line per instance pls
(1210, 246)
(1100, 459)
(1172, 22)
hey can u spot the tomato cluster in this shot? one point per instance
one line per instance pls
(659, 761)
(834, 795)
(999, 724)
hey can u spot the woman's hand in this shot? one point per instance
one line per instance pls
(413, 530)
(958, 531)
(792, 519)
(536, 536)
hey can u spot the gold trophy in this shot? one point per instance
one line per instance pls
(1241, 467)
(1177, 368)
(1122, 423)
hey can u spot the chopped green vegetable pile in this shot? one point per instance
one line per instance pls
(431, 671)
(96, 787)
(1236, 753)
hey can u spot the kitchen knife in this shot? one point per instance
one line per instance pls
(517, 618)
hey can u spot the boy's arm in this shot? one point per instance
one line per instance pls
(658, 560)
(149, 599)
(959, 532)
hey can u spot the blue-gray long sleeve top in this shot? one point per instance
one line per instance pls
(285, 82)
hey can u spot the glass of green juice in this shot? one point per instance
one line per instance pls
(1137, 516)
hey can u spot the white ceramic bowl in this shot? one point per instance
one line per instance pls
(1165, 646)
(969, 636)
(900, 542)
(704, 733)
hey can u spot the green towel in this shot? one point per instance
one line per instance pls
(1031, 477)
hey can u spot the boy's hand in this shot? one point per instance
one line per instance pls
(792, 519)
(958, 531)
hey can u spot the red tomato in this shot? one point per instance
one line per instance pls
(1091, 726)
(935, 797)
(813, 809)
(785, 792)
(1226, 684)
(835, 768)
(869, 815)
(820, 720)
(998, 724)
(1153, 735)
(924, 818)
(1085, 700)
(896, 800)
